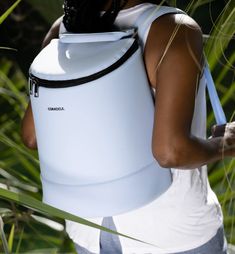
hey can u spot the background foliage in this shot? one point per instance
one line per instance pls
(27, 229)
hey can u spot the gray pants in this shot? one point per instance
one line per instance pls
(110, 243)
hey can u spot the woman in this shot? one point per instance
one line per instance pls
(187, 218)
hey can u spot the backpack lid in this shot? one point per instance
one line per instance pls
(76, 56)
(67, 37)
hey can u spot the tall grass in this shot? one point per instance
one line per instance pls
(221, 57)
(30, 225)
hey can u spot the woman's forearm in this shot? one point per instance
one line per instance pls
(193, 152)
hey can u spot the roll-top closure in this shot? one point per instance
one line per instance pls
(61, 61)
(67, 37)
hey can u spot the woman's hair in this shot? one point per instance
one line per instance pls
(84, 16)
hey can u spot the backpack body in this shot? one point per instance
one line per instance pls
(93, 111)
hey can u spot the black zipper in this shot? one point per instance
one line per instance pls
(35, 82)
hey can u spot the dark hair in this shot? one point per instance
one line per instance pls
(84, 16)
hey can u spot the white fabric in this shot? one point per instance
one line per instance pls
(94, 37)
(63, 65)
(186, 216)
(118, 122)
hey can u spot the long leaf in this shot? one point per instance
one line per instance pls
(28, 201)
(11, 143)
(7, 48)
(222, 34)
(11, 238)
(20, 240)
(3, 237)
(9, 11)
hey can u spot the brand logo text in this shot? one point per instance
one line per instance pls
(55, 108)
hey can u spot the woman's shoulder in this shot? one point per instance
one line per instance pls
(180, 21)
(172, 33)
(175, 26)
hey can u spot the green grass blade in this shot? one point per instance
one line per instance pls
(9, 11)
(11, 238)
(19, 243)
(10, 143)
(222, 35)
(9, 84)
(28, 201)
(3, 237)
(7, 48)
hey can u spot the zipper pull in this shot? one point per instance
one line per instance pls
(30, 86)
(36, 89)
(33, 86)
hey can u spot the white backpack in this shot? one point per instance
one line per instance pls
(93, 111)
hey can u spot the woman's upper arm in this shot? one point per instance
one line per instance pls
(28, 134)
(52, 33)
(173, 57)
(27, 126)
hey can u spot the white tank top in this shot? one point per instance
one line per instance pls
(188, 214)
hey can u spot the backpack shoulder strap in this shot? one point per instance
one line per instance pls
(214, 98)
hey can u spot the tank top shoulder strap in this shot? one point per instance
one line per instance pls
(148, 16)
(143, 24)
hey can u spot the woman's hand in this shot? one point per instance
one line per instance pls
(227, 132)
(228, 144)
